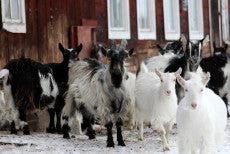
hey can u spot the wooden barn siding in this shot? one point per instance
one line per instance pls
(48, 23)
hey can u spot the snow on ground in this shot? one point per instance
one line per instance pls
(49, 143)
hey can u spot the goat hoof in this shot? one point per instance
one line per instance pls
(110, 144)
(92, 137)
(121, 143)
(51, 130)
(140, 138)
(14, 132)
(26, 130)
(166, 148)
(66, 136)
(59, 130)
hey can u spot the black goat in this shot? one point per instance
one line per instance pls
(60, 73)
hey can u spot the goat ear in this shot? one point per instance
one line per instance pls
(159, 74)
(205, 41)
(160, 49)
(184, 42)
(206, 78)
(131, 51)
(104, 51)
(61, 48)
(178, 72)
(225, 46)
(181, 81)
(79, 48)
(214, 46)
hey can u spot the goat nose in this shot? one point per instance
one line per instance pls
(168, 92)
(194, 105)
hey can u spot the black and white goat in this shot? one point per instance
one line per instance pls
(219, 67)
(32, 85)
(175, 47)
(60, 74)
(98, 52)
(98, 92)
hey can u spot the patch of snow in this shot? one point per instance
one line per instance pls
(53, 143)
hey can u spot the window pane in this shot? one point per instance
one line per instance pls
(15, 14)
(7, 9)
(225, 20)
(144, 14)
(194, 15)
(169, 15)
(116, 8)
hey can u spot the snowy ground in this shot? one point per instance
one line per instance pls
(49, 143)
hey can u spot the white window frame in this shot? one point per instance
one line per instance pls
(171, 33)
(119, 32)
(14, 25)
(198, 34)
(225, 20)
(147, 34)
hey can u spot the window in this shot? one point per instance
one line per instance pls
(146, 19)
(118, 19)
(13, 15)
(225, 20)
(171, 19)
(195, 15)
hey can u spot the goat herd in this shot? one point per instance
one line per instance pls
(177, 87)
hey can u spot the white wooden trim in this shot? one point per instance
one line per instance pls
(12, 25)
(225, 20)
(119, 32)
(172, 33)
(196, 34)
(147, 34)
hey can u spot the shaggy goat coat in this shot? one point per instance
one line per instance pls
(32, 85)
(93, 88)
(152, 103)
(200, 129)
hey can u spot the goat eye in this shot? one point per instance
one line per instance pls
(201, 90)
(174, 80)
(186, 90)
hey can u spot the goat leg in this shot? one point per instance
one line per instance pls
(109, 127)
(51, 128)
(13, 128)
(120, 140)
(22, 117)
(66, 128)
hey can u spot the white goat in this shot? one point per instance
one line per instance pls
(156, 102)
(201, 117)
(159, 62)
(8, 113)
(129, 84)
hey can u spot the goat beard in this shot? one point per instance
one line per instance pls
(116, 79)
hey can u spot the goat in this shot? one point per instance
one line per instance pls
(60, 74)
(98, 52)
(201, 116)
(98, 92)
(8, 113)
(156, 102)
(175, 47)
(218, 66)
(32, 85)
